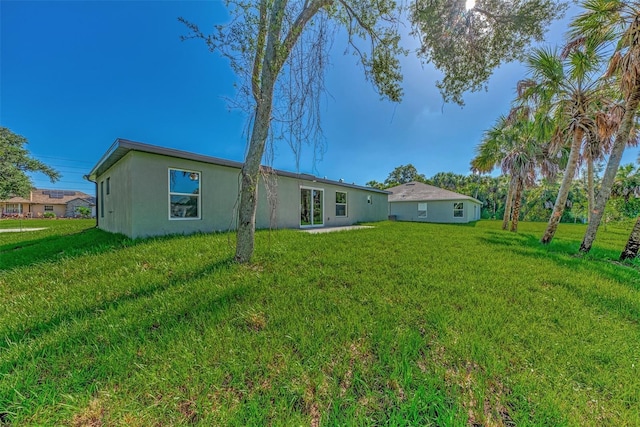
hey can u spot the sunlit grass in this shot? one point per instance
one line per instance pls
(402, 324)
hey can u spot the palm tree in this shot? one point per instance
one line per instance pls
(627, 182)
(513, 144)
(613, 22)
(565, 87)
(491, 152)
(633, 187)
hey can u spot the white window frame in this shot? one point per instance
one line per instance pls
(170, 193)
(48, 206)
(458, 210)
(304, 187)
(422, 207)
(13, 208)
(345, 204)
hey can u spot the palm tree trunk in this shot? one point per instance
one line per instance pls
(591, 192)
(517, 200)
(633, 244)
(507, 205)
(563, 193)
(622, 138)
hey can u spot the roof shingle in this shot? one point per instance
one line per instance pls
(418, 192)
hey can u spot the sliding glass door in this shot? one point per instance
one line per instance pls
(311, 207)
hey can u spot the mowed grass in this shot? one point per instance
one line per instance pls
(401, 324)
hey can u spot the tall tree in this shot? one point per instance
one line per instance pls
(403, 174)
(273, 42)
(628, 184)
(514, 144)
(615, 22)
(491, 153)
(567, 87)
(630, 250)
(15, 163)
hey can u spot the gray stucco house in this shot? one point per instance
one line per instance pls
(146, 190)
(415, 201)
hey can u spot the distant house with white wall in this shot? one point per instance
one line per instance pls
(416, 201)
(62, 203)
(146, 190)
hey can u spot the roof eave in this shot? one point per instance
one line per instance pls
(122, 146)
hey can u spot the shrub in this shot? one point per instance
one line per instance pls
(49, 215)
(84, 211)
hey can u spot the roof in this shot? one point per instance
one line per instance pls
(123, 146)
(42, 196)
(88, 200)
(16, 199)
(419, 192)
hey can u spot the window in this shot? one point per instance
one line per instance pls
(458, 210)
(48, 208)
(341, 203)
(101, 199)
(184, 194)
(369, 200)
(13, 208)
(422, 210)
(108, 186)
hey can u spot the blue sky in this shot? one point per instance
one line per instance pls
(77, 75)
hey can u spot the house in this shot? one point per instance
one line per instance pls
(62, 203)
(85, 202)
(146, 190)
(415, 201)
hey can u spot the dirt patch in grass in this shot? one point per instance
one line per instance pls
(484, 402)
(189, 410)
(92, 416)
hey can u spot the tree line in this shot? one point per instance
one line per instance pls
(576, 106)
(537, 200)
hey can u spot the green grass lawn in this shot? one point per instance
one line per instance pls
(401, 324)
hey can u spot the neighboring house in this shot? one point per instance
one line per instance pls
(60, 202)
(415, 201)
(146, 190)
(86, 202)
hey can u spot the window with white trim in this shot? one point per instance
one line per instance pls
(422, 210)
(184, 194)
(458, 210)
(341, 203)
(48, 208)
(13, 208)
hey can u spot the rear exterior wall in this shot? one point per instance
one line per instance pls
(138, 201)
(439, 211)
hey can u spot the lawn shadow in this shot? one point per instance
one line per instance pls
(566, 253)
(91, 241)
(29, 332)
(50, 248)
(102, 344)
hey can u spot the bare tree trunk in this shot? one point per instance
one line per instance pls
(266, 67)
(265, 72)
(633, 244)
(563, 193)
(622, 138)
(249, 185)
(517, 200)
(507, 205)
(591, 192)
